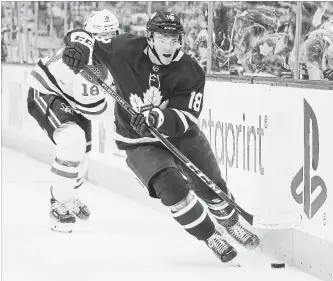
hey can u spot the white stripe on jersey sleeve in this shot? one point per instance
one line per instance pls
(182, 118)
(39, 81)
(191, 117)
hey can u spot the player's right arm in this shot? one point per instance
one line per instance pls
(51, 76)
(78, 50)
(42, 79)
(80, 45)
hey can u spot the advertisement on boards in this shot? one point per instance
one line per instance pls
(250, 130)
(311, 185)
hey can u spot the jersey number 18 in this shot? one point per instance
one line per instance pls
(93, 90)
(195, 101)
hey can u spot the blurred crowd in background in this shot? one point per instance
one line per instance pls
(247, 38)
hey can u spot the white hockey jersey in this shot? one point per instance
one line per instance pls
(52, 76)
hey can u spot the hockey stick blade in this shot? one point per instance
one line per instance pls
(248, 217)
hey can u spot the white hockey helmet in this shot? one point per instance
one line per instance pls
(103, 25)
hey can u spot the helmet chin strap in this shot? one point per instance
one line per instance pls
(158, 57)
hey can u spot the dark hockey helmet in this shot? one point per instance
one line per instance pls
(165, 23)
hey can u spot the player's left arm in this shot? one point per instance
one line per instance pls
(185, 104)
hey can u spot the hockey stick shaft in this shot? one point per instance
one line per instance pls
(248, 217)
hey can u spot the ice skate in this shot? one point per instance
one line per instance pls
(221, 248)
(79, 209)
(243, 236)
(62, 218)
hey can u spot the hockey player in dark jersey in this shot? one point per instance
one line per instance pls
(166, 88)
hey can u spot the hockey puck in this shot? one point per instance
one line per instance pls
(278, 265)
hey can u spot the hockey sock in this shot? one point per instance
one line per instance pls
(70, 152)
(224, 214)
(192, 215)
(83, 168)
(64, 175)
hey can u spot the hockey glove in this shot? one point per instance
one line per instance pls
(78, 48)
(142, 121)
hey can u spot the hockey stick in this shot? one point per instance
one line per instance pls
(255, 221)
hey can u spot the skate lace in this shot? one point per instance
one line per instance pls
(60, 208)
(76, 206)
(216, 242)
(239, 232)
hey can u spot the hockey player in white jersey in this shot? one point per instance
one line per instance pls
(63, 104)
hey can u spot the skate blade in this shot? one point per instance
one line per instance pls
(234, 263)
(62, 227)
(231, 255)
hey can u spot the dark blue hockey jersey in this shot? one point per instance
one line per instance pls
(177, 88)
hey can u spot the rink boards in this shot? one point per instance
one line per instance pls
(273, 144)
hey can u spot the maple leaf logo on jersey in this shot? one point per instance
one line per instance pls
(151, 97)
(136, 102)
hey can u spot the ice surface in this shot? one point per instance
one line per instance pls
(123, 240)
